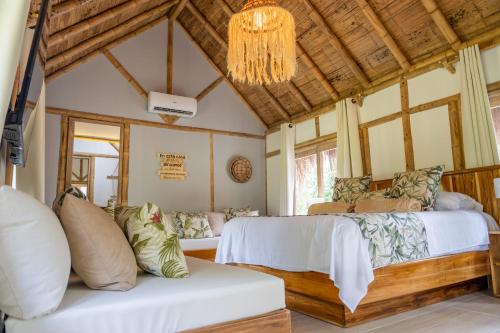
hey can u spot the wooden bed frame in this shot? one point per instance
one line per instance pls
(273, 322)
(402, 287)
(396, 288)
(207, 254)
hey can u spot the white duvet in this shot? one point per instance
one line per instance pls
(334, 245)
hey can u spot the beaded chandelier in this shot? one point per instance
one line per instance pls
(261, 44)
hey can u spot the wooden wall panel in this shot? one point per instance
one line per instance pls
(476, 183)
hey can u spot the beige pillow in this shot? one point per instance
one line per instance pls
(100, 253)
(387, 205)
(216, 221)
(330, 208)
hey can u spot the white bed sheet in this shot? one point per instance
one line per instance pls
(212, 294)
(199, 244)
(334, 245)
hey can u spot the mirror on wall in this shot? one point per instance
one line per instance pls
(95, 155)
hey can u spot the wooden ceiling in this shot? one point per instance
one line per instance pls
(345, 48)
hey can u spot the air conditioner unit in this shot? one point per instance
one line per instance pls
(172, 105)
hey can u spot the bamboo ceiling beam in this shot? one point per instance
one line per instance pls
(209, 88)
(51, 76)
(68, 13)
(106, 20)
(292, 88)
(211, 30)
(177, 10)
(134, 83)
(442, 23)
(73, 54)
(221, 73)
(130, 79)
(335, 42)
(320, 76)
(381, 30)
(422, 65)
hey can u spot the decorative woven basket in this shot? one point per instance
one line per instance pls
(240, 169)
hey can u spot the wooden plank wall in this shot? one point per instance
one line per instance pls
(476, 183)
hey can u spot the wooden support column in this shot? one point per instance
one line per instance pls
(125, 156)
(405, 113)
(170, 56)
(442, 23)
(365, 150)
(63, 149)
(211, 30)
(209, 88)
(381, 30)
(316, 17)
(212, 172)
(457, 146)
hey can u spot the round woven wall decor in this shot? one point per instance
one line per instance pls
(240, 169)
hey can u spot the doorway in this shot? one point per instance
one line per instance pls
(95, 159)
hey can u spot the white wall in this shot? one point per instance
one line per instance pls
(144, 184)
(97, 87)
(229, 193)
(52, 143)
(430, 129)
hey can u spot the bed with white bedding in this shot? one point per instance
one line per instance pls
(335, 245)
(212, 294)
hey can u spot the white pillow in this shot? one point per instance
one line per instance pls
(34, 256)
(456, 201)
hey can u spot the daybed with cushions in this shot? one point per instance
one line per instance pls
(213, 294)
(176, 294)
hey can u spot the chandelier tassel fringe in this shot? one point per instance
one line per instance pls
(262, 44)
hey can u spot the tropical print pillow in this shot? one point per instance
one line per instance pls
(349, 190)
(192, 225)
(379, 194)
(231, 213)
(154, 240)
(422, 185)
(58, 201)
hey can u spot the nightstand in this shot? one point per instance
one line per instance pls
(495, 262)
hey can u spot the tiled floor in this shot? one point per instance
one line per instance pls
(474, 313)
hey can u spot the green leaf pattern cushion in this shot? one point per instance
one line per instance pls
(154, 240)
(422, 185)
(380, 194)
(349, 190)
(192, 225)
(231, 213)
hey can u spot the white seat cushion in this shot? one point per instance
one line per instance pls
(34, 256)
(199, 244)
(212, 294)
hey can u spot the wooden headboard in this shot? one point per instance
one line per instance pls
(477, 183)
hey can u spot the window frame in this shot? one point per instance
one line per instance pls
(317, 149)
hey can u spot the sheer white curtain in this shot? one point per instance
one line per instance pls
(31, 179)
(479, 135)
(349, 162)
(287, 181)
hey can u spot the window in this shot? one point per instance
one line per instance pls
(315, 171)
(495, 113)
(306, 183)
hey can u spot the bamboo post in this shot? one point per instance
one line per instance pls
(381, 30)
(441, 22)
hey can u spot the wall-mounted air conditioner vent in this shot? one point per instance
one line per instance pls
(172, 105)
